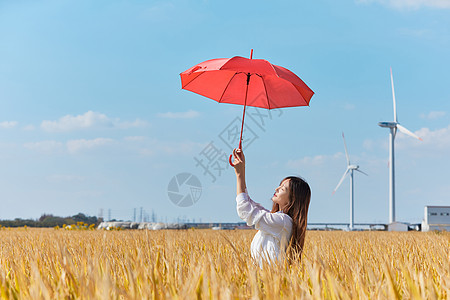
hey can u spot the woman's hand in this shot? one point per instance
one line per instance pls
(239, 161)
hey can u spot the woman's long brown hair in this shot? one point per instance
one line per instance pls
(297, 209)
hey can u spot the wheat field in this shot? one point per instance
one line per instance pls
(207, 264)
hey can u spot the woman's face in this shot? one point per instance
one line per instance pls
(281, 195)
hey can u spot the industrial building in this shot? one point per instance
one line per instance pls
(436, 218)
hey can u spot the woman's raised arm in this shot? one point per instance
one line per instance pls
(239, 168)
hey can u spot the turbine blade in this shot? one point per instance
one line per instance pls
(340, 182)
(406, 131)
(393, 97)
(346, 151)
(362, 172)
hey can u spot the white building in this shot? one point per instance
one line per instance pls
(397, 226)
(436, 218)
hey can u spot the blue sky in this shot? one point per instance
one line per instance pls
(92, 115)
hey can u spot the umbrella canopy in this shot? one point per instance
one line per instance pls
(248, 82)
(225, 80)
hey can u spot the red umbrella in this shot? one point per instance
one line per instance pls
(248, 82)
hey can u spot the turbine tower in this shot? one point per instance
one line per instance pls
(393, 126)
(350, 169)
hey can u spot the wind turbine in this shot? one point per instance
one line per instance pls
(350, 169)
(393, 126)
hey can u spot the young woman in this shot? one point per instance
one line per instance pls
(282, 230)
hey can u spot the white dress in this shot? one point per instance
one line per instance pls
(274, 229)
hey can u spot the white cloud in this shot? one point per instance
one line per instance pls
(150, 146)
(314, 161)
(8, 124)
(138, 123)
(29, 128)
(190, 114)
(436, 143)
(156, 147)
(69, 122)
(71, 146)
(337, 162)
(88, 120)
(132, 144)
(135, 138)
(411, 4)
(74, 146)
(433, 115)
(45, 146)
(146, 152)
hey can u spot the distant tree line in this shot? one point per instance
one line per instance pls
(48, 220)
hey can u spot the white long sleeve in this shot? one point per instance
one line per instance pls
(273, 228)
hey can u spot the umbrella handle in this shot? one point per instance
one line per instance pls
(240, 147)
(229, 160)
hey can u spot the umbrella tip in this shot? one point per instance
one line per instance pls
(251, 54)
